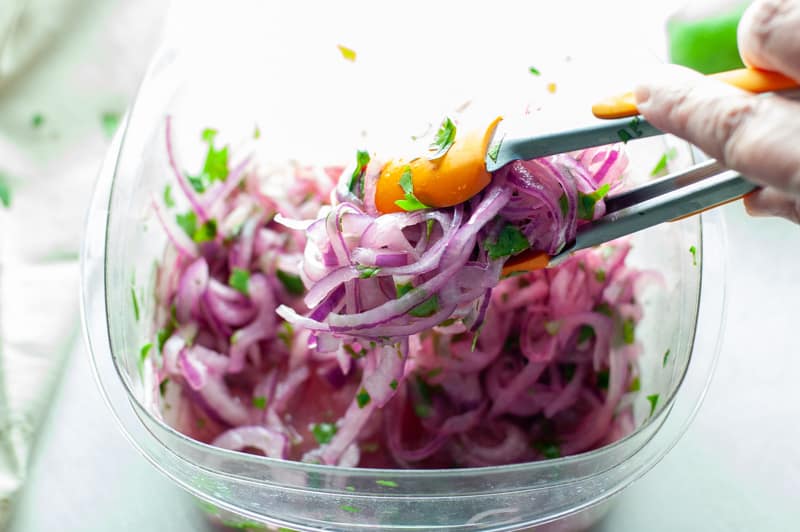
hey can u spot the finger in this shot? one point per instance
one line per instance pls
(756, 135)
(771, 202)
(769, 36)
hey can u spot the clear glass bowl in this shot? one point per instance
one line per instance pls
(322, 122)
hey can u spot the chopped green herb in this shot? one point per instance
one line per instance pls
(386, 483)
(666, 358)
(292, 283)
(636, 126)
(567, 371)
(586, 332)
(353, 353)
(365, 272)
(548, 450)
(5, 191)
(635, 386)
(348, 508)
(37, 120)
(347, 53)
(350, 488)
(428, 229)
(603, 308)
(424, 309)
(661, 165)
(362, 160)
(235, 337)
(243, 525)
(624, 136)
(260, 402)
(393, 384)
(187, 222)
(693, 251)
(434, 372)
(410, 202)
(168, 200)
(534, 71)
(552, 327)
(206, 232)
(653, 402)
(215, 167)
(586, 202)
(602, 379)
(284, 529)
(363, 398)
(422, 410)
(509, 242)
(143, 353)
(600, 275)
(494, 149)
(135, 304)
(444, 139)
(627, 331)
(563, 204)
(475, 338)
(257, 132)
(162, 386)
(239, 280)
(323, 432)
(286, 334)
(110, 122)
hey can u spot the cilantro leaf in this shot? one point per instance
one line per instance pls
(563, 204)
(653, 402)
(37, 120)
(240, 280)
(292, 283)
(548, 450)
(143, 354)
(286, 334)
(365, 272)
(424, 309)
(624, 136)
(162, 386)
(410, 202)
(215, 167)
(586, 332)
(661, 165)
(444, 139)
(323, 432)
(666, 358)
(693, 251)
(363, 398)
(187, 222)
(494, 149)
(509, 242)
(355, 355)
(635, 386)
(260, 402)
(206, 232)
(350, 509)
(386, 483)
(135, 304)
(602, 379)
(534, 71)
(393, 384)
(600, 275)
(586, 202)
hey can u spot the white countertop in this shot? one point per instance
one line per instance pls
(736, 469)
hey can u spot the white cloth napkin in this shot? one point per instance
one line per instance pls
(69, 62)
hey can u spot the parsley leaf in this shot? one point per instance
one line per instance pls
(292, 283)
(586, 202)
(323, 432)
(260, 402)
(5, 191)
(653, 402)
(410, 202)
(693, 251)
(363, 398)
(509, 242)
(444, 139)
(240, 280)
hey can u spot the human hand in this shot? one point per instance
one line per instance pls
(758, 136)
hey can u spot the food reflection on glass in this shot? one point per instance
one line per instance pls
(320, 314)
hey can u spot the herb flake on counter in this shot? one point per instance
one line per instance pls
(410, 202)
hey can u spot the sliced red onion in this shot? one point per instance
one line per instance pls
(273, 444)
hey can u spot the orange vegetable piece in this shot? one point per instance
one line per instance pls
(449, 180)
